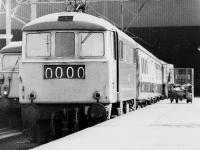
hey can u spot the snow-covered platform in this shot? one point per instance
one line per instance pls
(162, 126)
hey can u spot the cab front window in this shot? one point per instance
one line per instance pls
(38, 44)
(65, 44)
(92, 44)
(10, 62)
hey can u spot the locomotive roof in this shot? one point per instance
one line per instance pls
(68, 21)
(72, 21)
(13, 47)
(76, 21)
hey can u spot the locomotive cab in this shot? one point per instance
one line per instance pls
(66, 66)
(10, 56)
(68, 71)
(76, 70)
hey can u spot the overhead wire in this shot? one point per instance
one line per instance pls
(126, 30)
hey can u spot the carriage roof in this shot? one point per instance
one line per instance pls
(141, 48)
(13, 47)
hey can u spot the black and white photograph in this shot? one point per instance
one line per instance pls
(99, 74)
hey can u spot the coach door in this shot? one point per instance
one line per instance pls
(116, 56)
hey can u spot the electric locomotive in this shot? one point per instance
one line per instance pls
(76, 70)
(10, 56)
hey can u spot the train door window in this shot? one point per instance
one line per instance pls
(125, 53)
(10, 62)
(38, 44)
(65, 44)
(92, 44)
(112, 45)
(121, 50)
(146, 67)
(131, 55)
(142, 65)
(115, 43)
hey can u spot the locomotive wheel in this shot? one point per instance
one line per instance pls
(15, 118)
(5, 107)
(5, 103)
(64, 122)
(187, 100)
(97, 114)
(57, 121)
(30, 115)
(40, 131)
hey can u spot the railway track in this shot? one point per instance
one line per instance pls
(12, 139)
(6, 133)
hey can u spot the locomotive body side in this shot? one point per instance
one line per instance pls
(127, 70)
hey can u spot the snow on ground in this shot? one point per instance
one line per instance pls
(162, 126)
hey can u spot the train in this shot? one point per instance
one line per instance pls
(77, 70)
(154, 77)
(10, 56)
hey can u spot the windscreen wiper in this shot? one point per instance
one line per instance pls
(86, 37)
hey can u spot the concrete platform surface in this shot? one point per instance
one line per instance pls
(162, 126)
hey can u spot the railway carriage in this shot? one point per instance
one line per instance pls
(10, 56)
(75, 69)
(149, 77)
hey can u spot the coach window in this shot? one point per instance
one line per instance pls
(92, 44)
(129, 55)
(10, 62)
(38, 44)
(142, 65)
(65, 44)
